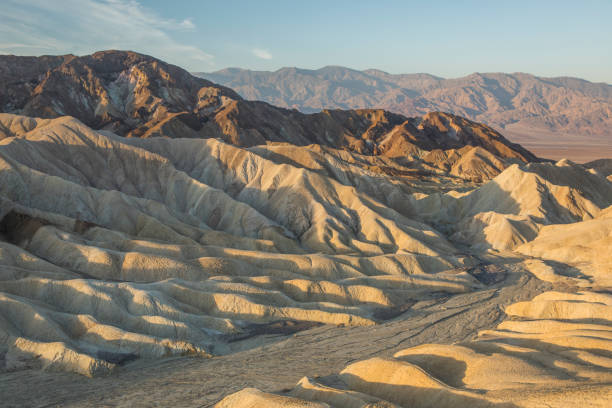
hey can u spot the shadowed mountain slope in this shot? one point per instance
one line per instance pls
(136, 95)
(550, 115)
(393, 261)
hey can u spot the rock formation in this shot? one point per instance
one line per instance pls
(374, 260)
(555, 117)
(136, 95)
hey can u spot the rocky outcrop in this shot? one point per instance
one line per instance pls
(522, 101)
(136, 95)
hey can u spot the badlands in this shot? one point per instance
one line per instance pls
(560, 117)
(164, 242)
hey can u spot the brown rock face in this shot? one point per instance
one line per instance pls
(553, 117)
(556, 104)
(125, 92)
(136, 95)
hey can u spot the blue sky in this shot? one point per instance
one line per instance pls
(445, 38)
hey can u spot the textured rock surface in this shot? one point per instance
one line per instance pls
(158, 247)
(118, 251)
(552, 116)
(554, 351)
(139, 96)
(438, 267)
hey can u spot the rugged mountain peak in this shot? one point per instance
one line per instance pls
(122, 91)
(460, 132)
(136, 95)
(548, 114)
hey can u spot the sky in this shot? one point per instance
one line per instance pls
(444, 38)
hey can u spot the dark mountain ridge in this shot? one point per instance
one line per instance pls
(536, 111)
(135, 95)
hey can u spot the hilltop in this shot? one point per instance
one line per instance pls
(556, 117)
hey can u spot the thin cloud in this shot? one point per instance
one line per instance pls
(4, 46)
(84, 26)
(187, 24)
(261, 53)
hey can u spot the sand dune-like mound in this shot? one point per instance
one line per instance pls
(117, 248)
(510, 209)
(584, 246)
(553, 352)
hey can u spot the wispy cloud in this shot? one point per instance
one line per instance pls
(4, 46)
(261, 53)
(187, 24)
(84, 26)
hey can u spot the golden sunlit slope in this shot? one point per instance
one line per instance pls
(552, 351)
(157, 247)
(510, 209)
(114, 249)
(585, 246)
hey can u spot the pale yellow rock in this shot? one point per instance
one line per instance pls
(166, 247)
(553, 359)
(113, 249)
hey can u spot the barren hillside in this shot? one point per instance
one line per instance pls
(267, 257)
(555, 117)
(135, 95)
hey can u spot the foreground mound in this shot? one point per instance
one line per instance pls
(114, 249)
(554, 352)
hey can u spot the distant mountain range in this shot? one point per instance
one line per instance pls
(136, 95)
(541, 113)
(146, 213)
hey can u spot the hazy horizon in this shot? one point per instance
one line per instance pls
(449, 40)
(395, 73)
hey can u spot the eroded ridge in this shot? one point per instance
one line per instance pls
(115, 249)
(551, 351)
